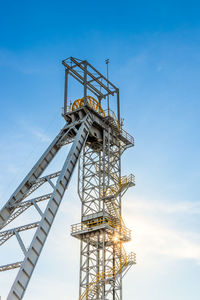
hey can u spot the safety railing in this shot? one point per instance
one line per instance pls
(120, 227)
(122, 230)
(94, 104)
(123, 262)
(132, 258)
(126, 135)
(118, 187)
(110, 113)
(67, 109)
(114, 190)
(75, 228)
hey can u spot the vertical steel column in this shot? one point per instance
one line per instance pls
(104, 162)
(118, 105)
(104, 266)
(89, 193)
(114, 270)
(81, 195)
(88, 262)
(107, 62)
(32, 255)
(108, 149)
(98, 263)
(80, 273)
(85, 82)
(120, 205)
(66, 90)
(99, 98)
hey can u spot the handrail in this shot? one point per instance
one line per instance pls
(121, 229)
(124, 261)
(114, 189)
(126, 135)
(93, 103)
(110, 113)
(93, 223)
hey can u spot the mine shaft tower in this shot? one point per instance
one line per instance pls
(98, 142)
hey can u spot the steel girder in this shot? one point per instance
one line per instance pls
(98, 252)
(18, 203)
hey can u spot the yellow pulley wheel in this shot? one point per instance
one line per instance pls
(92, 102)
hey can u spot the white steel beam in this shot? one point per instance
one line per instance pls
(31, 178)
(21, 282)
(10, 266)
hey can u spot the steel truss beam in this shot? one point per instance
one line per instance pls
(96, 82)
(7, 234)
(18, 203)
(95, 176)
(103, 262)
(10, 266)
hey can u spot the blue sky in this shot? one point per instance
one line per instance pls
(154, 49)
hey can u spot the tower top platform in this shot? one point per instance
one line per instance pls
(96, 83)
(102, 120)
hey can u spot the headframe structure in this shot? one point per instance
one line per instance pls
(98, 141)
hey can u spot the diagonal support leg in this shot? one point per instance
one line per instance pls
(31, 178)
(30, 182)
(20, 242)
(21, 282)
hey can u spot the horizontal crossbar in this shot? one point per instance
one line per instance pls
(10, 266)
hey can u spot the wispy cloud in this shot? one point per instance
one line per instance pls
(40, 135)
(192, 207)
(154, 238)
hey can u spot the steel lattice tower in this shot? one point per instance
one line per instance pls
(98, 142)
